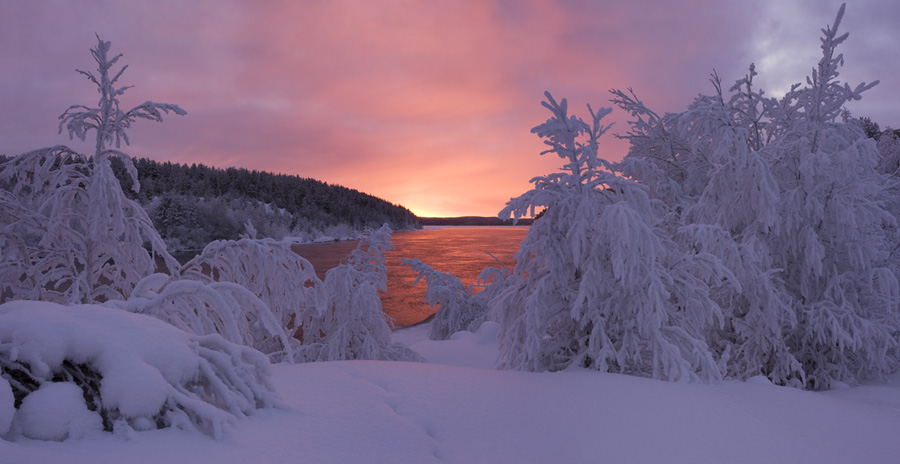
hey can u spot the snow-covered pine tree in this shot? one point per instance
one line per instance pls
(792, 203)
(352, 324)
(836, 238)
(727, 203)
(89, 236)
(107, 120)
(596, 283)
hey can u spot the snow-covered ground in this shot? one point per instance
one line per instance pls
(455, 409)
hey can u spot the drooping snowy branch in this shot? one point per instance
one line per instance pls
(461, 307)
(284, 282)
(352, 324)
(77, 237)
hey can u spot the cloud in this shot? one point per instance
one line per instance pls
(426, 104)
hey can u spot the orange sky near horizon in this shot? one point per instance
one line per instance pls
(424, 104)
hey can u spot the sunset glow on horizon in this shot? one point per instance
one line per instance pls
(424, 104)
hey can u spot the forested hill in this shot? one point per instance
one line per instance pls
(192, 205)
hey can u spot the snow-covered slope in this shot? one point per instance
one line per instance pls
(393, 412)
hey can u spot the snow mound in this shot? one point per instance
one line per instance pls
(463, 348)
(398, 412)
(759, 380)
(134, 371)
(56, 411)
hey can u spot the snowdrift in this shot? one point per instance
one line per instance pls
(398, 412)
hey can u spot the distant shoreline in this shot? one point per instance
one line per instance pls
(472, 221)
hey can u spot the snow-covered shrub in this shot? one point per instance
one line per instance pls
(461, 307)
(727, 202)
(596, 283)
(451, 295)
(793, 204)
(836, 239)
(80, 240)
(254, 292)
(71, 234)
(282, 279)
(889, 151)
(132, 371)
(352, 323)
(208, 307)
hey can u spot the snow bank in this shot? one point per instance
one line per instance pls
(463, 348)
(397, 412)
(392, 412)
(134, 371)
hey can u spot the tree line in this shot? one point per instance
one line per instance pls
(192, 205)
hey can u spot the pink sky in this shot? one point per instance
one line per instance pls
(427, 104)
